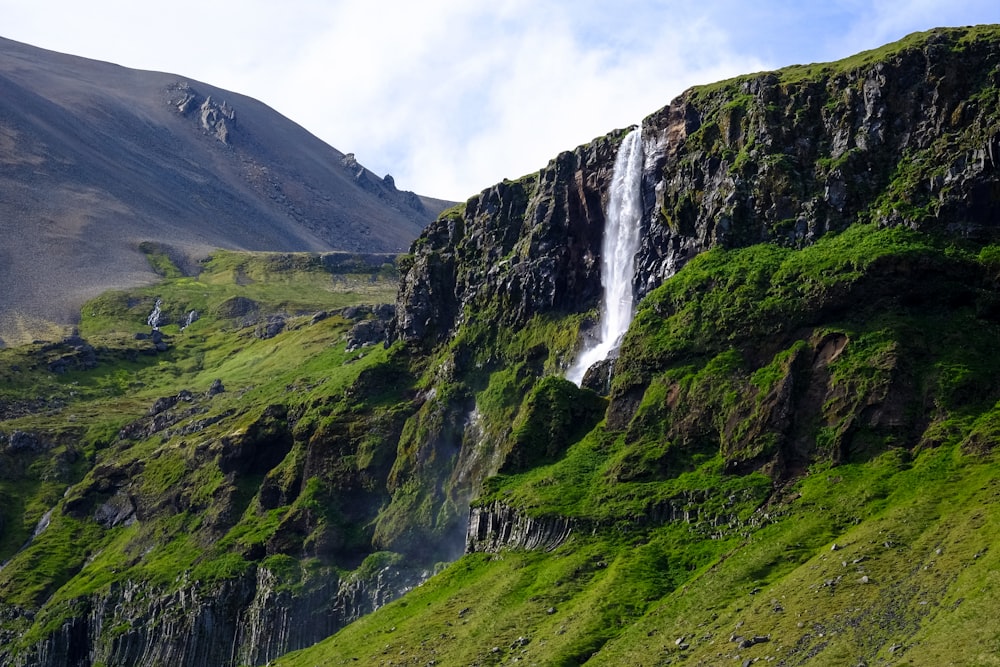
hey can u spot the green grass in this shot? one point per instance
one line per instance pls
(201, 521)
(692, 520)
(919, 530)
(769, 401)
(956, 38)
(159, 260)
(292, 284)
(668, 542)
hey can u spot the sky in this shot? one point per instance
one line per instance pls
(452, 96)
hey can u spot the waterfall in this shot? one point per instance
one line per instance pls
(154, 317)
(621, 241)
(192, 317)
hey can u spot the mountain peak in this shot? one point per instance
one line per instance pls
(99, 158)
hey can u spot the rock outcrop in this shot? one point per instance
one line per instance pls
(518, 248)
(248, 620)
(498, 526)
(215, 118)
(371, 325)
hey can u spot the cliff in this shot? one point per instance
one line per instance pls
(153, 515)
(811, 354)
(905, 135)
(519, 248)
(248, 620)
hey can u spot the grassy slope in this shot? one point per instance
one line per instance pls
(690, 432)
(921, 531)
(889, 455)
(303, 367)
(912, 510)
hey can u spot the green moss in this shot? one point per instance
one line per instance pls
(766, 378)
(223, 568)
(376, 562)
(54, 556)
(767, 402)
(200, 514)
(954, 38)
(555, 414)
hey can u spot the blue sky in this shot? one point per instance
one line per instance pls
(451, 96)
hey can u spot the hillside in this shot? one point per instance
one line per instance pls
(96, 159)
(790, 461)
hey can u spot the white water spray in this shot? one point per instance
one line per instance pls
(621, 241)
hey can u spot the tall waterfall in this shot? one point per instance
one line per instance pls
(621, 241)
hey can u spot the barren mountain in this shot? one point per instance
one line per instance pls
(96, 158)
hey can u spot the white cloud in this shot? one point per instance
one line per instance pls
(450, 96)
(878, 22)
(453, 99)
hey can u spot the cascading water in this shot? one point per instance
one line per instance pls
(621, 241)
(192, 317)
(154, 317)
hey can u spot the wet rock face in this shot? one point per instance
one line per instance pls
(598, 377)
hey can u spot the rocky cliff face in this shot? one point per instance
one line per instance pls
(824, 344)
(519, 248)
(498, 526)
(908, 135)
(819, 277)
(202, 534)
